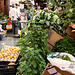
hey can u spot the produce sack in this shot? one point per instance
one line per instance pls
(64, 61)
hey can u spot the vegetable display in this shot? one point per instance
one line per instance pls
(9, 53)
(33, 43)
(33, 51)
(32, 12)
(45, 19)
(49, 19)
(67, 14)
(65, 45)
(31, 62)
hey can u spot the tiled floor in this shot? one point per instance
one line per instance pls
(10, 41)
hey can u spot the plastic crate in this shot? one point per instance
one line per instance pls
(8, 69)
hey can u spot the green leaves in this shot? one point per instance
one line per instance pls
(2, 17)
(48, 20)
(65, 45)
(45, 18)
(66, 58)
(33, 51)
(33, 61)
(47, 23)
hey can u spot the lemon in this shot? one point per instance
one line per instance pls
(8, 57)
(1, 56)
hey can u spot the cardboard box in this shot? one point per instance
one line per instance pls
(56, 69)
(72, 25)
(53, 38)
(47, 73)
(63, 72)
(50, 70)
(73, 30)
(70, 33)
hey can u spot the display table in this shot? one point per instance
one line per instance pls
(24, 21)
(25, 25)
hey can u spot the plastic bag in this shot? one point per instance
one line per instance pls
(55, 59)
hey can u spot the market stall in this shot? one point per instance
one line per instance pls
(49, 37)
(50, 25)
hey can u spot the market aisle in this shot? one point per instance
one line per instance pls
(10, 41)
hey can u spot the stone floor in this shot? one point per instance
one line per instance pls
(9, 40)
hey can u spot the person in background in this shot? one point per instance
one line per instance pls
(38, 10)
(18, 10)
(14, 14)
(17, 6)
(19, 13)
(27, 16)
(33, 7)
